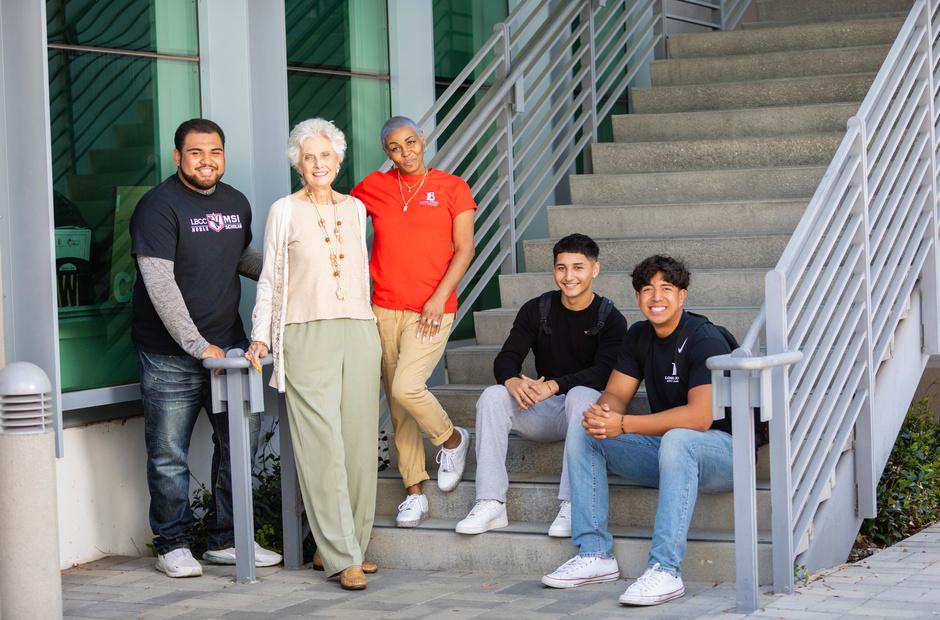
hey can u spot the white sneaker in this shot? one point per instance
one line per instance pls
(655, 586)
(179, 563)
(263, 557)
(486, 514)
(561, 526)
(452, 462)
(412, 511)
(581, 570)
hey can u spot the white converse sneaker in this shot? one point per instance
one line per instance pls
(179, 563)
(561, 526)
(486, 514)
(655, 586)
(581, 570)
(412, 511)
(452, 462)
(263, 557)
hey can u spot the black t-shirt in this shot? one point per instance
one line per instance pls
(569, 355)
(204, 236)
(673, 365)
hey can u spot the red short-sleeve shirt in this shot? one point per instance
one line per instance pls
(412, 248)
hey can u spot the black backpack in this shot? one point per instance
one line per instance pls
(545, 303)
(645, 346)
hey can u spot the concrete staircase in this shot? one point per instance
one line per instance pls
(715, 165)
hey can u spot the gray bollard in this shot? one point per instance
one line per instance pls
(30, 580)
(240, 391)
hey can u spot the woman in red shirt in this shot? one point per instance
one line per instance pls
(423, 222)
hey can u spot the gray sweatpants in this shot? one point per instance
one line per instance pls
(498, 414)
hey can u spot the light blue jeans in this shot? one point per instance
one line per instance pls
(680, 463)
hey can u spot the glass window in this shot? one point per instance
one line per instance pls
(337, 56)
(160, 26)
(346, 35)
(461, 27)
(112, 119)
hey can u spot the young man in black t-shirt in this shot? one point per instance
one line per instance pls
(677, 447)
(189, 236)
(574, 335)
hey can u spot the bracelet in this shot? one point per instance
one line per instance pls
(622, 430)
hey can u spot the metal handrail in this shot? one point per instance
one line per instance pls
(515, 121)
(870, 230)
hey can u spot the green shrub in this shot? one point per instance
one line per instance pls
(909, 490)
(266, 496)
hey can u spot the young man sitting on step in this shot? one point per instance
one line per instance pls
(575, 336)
(677, 447)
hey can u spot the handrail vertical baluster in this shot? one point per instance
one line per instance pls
(930, 283)
(504, 125)
(745, 493)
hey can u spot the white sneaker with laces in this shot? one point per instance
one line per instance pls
(561, 526)
(179, 563)
(486, 514)
(582, 570)
(655, 586)
(452, 462)
(263, 557)
(412, 511)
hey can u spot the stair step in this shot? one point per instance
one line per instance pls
(460, 401)
(536, 503)
(798, 182)
(137, 134)
(805, 10)
(710, 287)
(703, 252)
(768, 65)
(758, 25)
(799, 37)
(102, 186)
(805, 149)
(739, 123)
(493, 325)
(752, 217)
(753, 93)
(525, 549)
(130, 158)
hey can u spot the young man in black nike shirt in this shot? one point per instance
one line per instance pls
(575, 335)
(677, 447)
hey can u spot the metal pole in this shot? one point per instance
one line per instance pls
(660, 29)
(291, 506)
(239, 446)
(745, 494)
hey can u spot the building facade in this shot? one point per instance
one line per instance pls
(91, 92)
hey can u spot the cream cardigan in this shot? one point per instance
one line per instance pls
(270, 313)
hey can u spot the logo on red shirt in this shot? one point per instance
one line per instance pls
(430, 200)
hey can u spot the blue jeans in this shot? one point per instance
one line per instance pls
(174, 389)
(680, 463)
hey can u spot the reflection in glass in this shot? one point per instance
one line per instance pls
(345, 35)
(165, 26)
(112, 120)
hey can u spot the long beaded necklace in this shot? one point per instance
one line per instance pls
(404, 202)
(336, 250)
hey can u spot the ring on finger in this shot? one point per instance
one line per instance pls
(435, 322)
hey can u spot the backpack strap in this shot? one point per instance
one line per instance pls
(545, 303)
(602, 313)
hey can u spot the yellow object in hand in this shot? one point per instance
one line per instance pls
(254, 363)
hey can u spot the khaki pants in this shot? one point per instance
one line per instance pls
(332, 376)
(406, 365)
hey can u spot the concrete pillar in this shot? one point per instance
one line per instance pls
(411, 59)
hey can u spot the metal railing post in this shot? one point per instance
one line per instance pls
(930, 279)
(514, 103)
(660, 29)
(745, 493)
(590, 80)
(865, 478)
(292, 507)
(780, 480)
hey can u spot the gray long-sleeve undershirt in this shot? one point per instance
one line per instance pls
(167, 299)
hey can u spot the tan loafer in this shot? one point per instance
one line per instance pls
(368, 567)
(352, 578)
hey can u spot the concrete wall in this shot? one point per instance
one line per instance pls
(102, 489)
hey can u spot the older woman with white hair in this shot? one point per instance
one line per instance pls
(312, 313)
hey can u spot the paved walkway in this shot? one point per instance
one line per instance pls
(901, 582)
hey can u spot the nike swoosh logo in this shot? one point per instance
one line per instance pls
(682, 346)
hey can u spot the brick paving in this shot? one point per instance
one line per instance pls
(900, 582)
